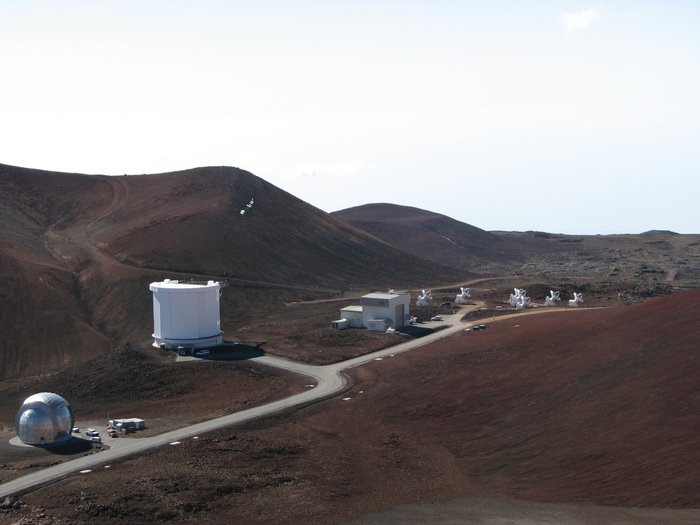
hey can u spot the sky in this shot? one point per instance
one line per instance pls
(558, 116)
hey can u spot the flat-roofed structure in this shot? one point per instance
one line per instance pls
(378, 311)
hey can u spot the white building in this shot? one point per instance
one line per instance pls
(377, 311)
(353, 316)
(186, 315)
(127, 425)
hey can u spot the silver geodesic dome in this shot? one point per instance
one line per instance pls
(44, 419)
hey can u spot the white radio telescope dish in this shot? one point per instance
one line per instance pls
(461, 298)
(577, 300)
(423, 298)
(552, 299)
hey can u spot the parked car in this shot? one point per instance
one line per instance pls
(203, 351)
(91, 432)
(96, 439)
(112, 432)
(436, 318)
(75, 430)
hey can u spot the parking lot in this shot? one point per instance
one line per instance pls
(101, 428)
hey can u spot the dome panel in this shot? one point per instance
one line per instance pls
(44, 419)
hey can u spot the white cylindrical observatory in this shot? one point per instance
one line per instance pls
(186, 314)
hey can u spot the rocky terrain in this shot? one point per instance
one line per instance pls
(592, 409)
(77, 253)
(569, 416)
(639, 266)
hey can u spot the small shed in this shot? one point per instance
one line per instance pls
(130, 424)
(353, 315)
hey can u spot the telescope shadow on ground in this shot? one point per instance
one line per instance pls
(235, 352)
(74, 446)
(417, 331)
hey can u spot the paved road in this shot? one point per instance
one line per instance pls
(329, 381)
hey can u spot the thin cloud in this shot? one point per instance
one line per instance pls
(326, 170)
(579, 20)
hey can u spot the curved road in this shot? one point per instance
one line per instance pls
(330, 381)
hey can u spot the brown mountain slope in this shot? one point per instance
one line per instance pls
(644, 264)
(580, 406)
(42, 315)
(598, 406)
(191, 221)
(77, 253)
(436, 237)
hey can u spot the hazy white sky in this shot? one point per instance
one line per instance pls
(560, 116)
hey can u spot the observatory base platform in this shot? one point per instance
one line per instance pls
(193, 344)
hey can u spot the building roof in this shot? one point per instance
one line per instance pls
(381, 295)
(352, 308)
(173, 284)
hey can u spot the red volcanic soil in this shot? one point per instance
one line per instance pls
(148, 382)
(578, 406)
(598, 406)
(77, 253)
(145, 383)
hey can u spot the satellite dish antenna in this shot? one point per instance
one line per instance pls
(423, 298)
(576, 301)
(461, 298)
(516, 296)
(519, 299)
(552, 299)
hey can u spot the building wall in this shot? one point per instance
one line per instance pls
(388, 311)
(185, 312)
(354, 317)
(377, 325)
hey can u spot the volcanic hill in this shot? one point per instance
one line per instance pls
(77, 253)
(594, 406)
(651, 263)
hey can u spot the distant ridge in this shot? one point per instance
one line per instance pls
(636, 262)
(660, 232)
(434, 236)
